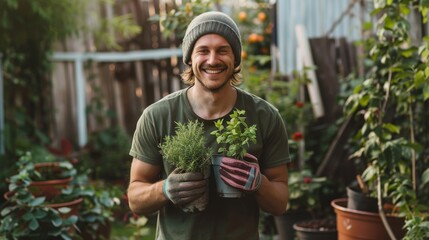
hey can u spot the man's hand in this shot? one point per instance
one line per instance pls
(242, 174)
(182, 188)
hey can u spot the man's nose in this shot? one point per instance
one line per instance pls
(212, 59)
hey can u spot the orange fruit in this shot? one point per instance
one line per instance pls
(242, 16)
(253, 37)
(243, 55)
(262, 16)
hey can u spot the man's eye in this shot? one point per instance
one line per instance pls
(203, 51)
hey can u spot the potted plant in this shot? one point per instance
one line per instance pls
(392, 103)
(96, 212)
(305, 202)
(233, 140)
(316, 229)
(28, 216)
(187, 151)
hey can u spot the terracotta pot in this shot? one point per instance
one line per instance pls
(316, 229)
(49, 188)
(73, 205)
(223, 189)
(355, 224)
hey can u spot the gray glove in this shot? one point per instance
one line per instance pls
(182, 188)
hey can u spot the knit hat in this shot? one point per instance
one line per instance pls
(212, 22)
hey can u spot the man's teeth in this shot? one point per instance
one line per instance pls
(213, 71)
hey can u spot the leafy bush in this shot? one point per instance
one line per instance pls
(236, 136)
(187, 149)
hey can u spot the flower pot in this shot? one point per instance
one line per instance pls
(355, 224)
(49, 188)
(223, 189)
(316, 229)
(199, 204)
(73, 205)
(357, 200)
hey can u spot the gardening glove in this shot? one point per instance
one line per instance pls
(241, 174)
(182, 188)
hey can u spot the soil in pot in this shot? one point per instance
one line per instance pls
(316, 229)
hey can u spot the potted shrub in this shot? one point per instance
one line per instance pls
(46, 178)
(233, 140)
(28, 216)
(187, 151)
(392, 103)
(305, 202)
(96, 213)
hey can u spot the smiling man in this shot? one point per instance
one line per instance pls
(212, 50)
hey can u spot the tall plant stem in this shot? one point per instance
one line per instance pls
(379, 198)
(380, 207)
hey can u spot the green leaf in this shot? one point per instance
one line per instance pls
(64, 210)
(34, 224)
(37, 201)
(56, 221)
(419, 78)
(426, 92)
(39, 213)
(391, 127)
(425, 177)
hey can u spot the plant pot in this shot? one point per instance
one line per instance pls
(355, 224)
(223, 189)
(316, 229)
(284, 223)
(199, 204)
(357, 200)
(50, 188)
(73, 205)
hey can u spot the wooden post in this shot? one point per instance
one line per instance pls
(313, 87)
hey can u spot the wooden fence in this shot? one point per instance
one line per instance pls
(127, 87)
(116, 92)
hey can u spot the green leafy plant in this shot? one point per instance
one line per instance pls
(25, 215)
(187, 149)
(236, 136)
(176, 21)
(392, 102)
(96, 213)
(305, 190)
(87, 208)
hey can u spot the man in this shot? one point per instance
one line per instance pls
(212, 50)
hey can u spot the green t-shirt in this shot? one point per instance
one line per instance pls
(224, 218)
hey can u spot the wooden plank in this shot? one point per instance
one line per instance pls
(323, 52)
(307, 58)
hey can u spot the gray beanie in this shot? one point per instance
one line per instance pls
(212, 22)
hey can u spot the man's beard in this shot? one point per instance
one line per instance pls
(213, 90)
